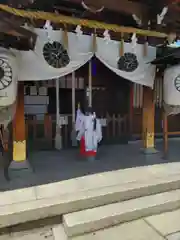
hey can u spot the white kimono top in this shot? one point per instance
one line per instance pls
(79, 119)
(92, 137)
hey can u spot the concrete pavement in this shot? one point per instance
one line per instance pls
(165, 226)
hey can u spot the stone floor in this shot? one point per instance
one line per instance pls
(165, 226)
(53, 166)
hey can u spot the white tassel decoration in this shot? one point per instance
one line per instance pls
(78, 31)
(48, 27)
(134, 42)
(107, 37)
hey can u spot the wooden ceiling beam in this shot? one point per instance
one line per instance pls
(5, 28)
(124, 6)
(14, 27)
(19, 3)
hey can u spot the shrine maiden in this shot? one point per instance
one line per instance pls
(90, 131)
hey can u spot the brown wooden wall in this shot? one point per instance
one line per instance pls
(110, 100)
(173, 122)
(110, 92)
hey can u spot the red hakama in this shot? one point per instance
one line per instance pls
(83, 151)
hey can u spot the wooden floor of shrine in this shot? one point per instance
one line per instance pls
(53, 166)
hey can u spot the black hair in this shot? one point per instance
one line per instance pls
(90, 111)
(94, 124)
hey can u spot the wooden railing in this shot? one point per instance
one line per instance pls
(41, 133)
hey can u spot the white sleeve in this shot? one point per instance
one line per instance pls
(80, 130)
(98, 130)
(79, 119)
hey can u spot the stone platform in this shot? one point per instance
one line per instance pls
(55, 166)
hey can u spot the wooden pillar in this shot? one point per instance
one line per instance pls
(19, 131)
(131, 109)
(148, 121)
(165, 133)
(90, 84)
(48, 127)
(58, 136)
(73, 132)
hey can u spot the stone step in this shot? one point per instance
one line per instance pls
(34, 209)
(137, 230)
(94, 219)
(107, 179)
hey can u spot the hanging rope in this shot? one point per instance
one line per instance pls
(122, 45)
(73, 99)
(94, 44)
(57, 18)
(90, 84)
(65, 38)
(145, 46)
(94, 47)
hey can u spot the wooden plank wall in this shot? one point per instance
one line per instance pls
(173, 121)
(41, 133)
